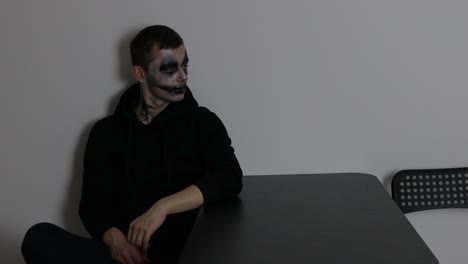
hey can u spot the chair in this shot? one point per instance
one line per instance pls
(417, 190)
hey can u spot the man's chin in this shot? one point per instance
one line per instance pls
(176, 97)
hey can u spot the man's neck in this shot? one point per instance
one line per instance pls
(149, 107)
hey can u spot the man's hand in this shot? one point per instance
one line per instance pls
(122, 250)
(143, 227)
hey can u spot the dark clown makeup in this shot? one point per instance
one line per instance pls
(152, 82)
(168, 70)
(172, 89)
(169, 66)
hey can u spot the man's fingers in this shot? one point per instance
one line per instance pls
(139, 238)
(135, 232)
(136, 256)
(130, 233)
(128, 259)
(146, 239)
(145, 257)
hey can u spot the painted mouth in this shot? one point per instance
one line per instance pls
(174, 90)
(178, 90)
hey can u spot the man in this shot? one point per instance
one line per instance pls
(147, 168)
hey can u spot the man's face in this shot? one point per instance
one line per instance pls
(166, 76)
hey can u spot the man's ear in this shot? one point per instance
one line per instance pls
(138, 73)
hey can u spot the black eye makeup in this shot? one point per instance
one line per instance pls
(169, 66)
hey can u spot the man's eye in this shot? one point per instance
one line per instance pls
(169, 70)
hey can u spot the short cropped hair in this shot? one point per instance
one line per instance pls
(158, 35)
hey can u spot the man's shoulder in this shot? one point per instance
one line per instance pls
(108, 122)
(203, 112)
(207, 119)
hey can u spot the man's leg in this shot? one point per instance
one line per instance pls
(167, 242)
(48, 243)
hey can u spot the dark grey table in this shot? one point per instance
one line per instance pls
(316, 218)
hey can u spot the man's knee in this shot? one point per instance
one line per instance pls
(39, 231)
(35, 238)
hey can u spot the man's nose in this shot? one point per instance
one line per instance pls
(183, 76)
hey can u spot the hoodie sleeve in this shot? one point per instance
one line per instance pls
(96, 208)
(223, 177)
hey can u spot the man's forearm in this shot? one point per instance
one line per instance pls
(185, 200)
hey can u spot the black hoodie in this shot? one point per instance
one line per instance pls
(128, 166)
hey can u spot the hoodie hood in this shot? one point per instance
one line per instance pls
(129, 101)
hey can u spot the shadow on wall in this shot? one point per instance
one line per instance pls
(124, 67)
(10, 251)
(387, 181)
(70, 206)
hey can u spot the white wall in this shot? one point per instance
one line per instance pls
(302, 86)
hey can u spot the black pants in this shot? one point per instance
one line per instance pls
(48, 243)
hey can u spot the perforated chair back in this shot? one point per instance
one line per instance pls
(417, 190)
